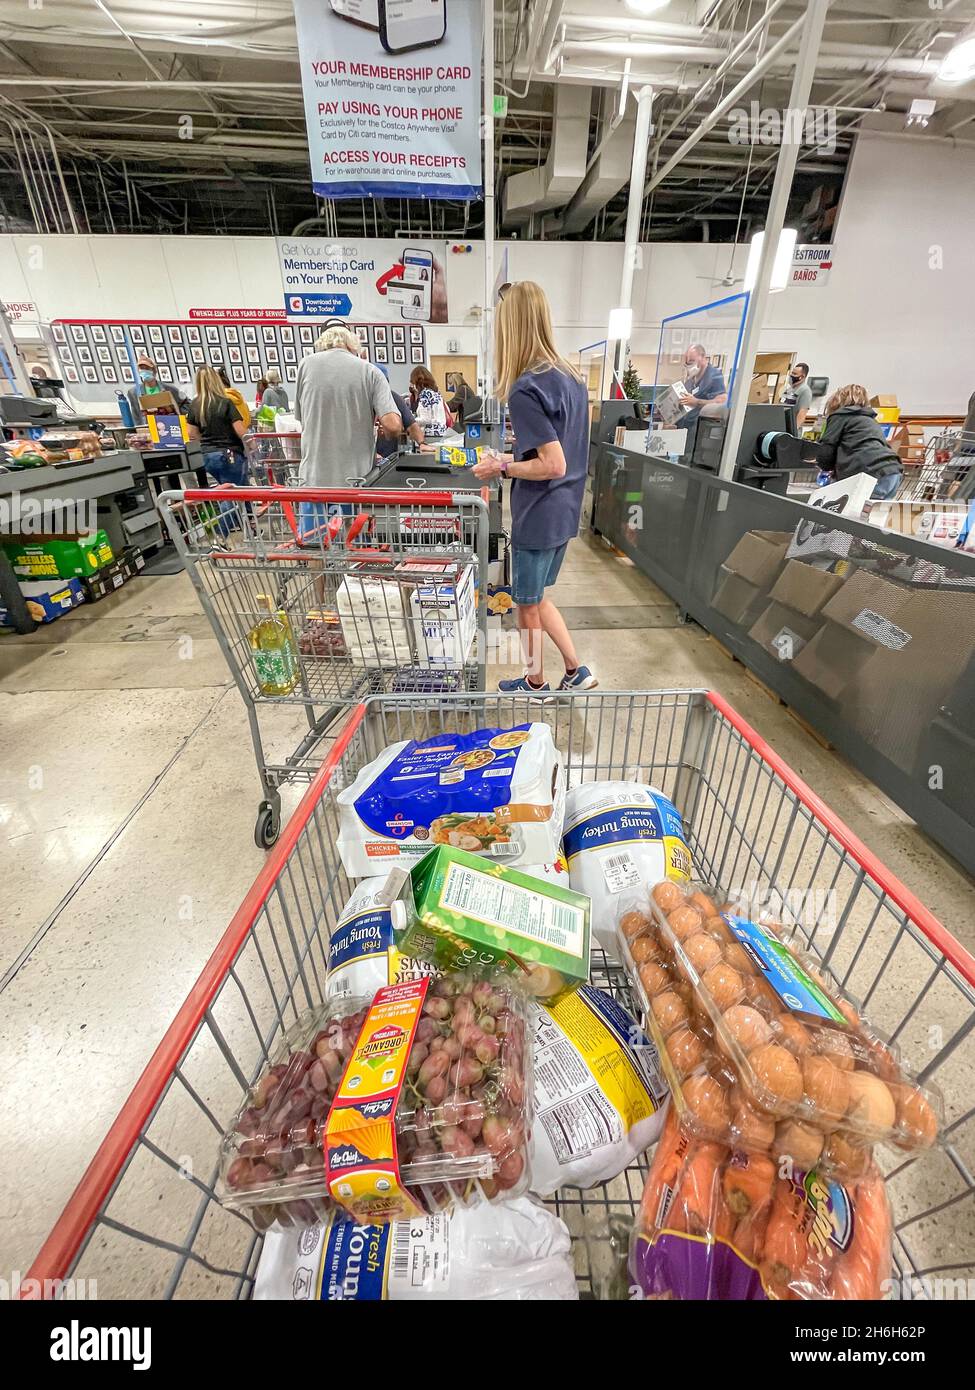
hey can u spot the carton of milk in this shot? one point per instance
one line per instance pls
(442, 605)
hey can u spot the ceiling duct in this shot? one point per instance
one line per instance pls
(554, 183)
(609, 173)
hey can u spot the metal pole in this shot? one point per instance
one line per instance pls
(487, 319)
(805, 71)
(634, 211)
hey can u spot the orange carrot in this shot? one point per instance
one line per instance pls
(664, 1169)
(699, 1191)
(791, 1268)
(862, 1268)
(748, 1181)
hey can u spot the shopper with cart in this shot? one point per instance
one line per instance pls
(549, 409)
(338, 399)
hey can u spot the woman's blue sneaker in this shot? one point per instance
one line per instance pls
(581, 679)
(521, 686)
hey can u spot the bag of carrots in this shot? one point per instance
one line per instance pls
(718, 1223)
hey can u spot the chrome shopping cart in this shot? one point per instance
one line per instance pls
(273, 460)
(144, 1221)
(319, 598)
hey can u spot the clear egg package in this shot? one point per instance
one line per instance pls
(447, 1059)
(759, 1052)
(717, 1223)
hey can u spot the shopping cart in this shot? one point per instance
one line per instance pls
(942, 473)
(319, 598)
(144, 1221)
(273, 460)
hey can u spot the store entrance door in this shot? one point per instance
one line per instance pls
(440, 366)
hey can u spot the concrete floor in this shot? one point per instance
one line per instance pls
(127, 802)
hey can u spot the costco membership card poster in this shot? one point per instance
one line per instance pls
(392, 96)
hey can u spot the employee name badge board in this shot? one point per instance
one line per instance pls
(845, 498)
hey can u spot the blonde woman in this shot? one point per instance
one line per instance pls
(215, 421)
(853, 442)
(549, 409)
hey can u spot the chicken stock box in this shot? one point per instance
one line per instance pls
(782, 631)
(759, 556)
(805, 588)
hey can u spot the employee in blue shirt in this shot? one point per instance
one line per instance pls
(705, 385)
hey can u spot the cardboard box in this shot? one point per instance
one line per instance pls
(869, 606)
(832, 659)
(759, 556)
(106, 581)
(48, 599)
(883, 401)
(782, 631)
(804, 587)
(902, 688)
(737, 599)
(60, 559)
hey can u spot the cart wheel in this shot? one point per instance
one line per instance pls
(268, 826)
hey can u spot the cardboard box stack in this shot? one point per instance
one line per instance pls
(791, 618)
(748, 573)
(888, 411)
(859, 616)
(908, 440)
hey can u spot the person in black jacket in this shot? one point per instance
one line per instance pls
(853, 442)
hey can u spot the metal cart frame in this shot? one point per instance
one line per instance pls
(273, 551)
(144, 1220)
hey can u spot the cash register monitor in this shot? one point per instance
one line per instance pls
(759, 420)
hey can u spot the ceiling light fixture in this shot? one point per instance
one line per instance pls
(782, 265)
(646, 6)
(958, 64)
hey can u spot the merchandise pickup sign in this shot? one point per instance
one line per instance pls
(387, 124)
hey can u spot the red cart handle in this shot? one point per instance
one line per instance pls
(412, 497)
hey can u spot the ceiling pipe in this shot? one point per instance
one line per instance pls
(838, 62)
(726, 104)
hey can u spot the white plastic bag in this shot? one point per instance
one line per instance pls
(498, 1250)
(620, 837)
(600, 1097)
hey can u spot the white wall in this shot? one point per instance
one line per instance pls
(884, 317)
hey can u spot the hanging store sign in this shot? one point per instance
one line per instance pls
(392, 97)
(396, 282)
(811, 265)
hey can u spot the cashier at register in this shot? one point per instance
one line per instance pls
(705, 385)
(149, 383)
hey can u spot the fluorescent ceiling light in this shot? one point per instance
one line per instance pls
(781, 267)
(620, 323)
(646, 6)
(958, 65)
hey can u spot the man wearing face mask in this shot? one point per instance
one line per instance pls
(798, 393)
(149, 383)
(704, 382)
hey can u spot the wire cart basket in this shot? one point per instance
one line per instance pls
(273, 460)
(319, 598)
(144, 1221)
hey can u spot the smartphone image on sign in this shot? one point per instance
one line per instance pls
(365, 12)
(412, 293)
(405, 24)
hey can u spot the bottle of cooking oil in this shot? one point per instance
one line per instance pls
(275, 655)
